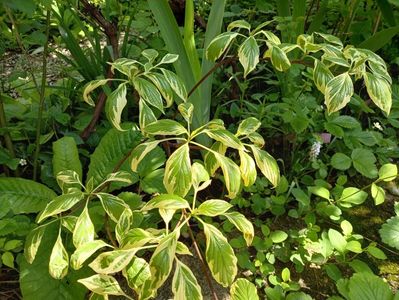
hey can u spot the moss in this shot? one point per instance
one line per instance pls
(389, 267)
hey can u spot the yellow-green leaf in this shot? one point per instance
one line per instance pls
(248, 55)
(267, 164)
(185, 285)
(247, 168)
(58, 264)
(379, 91)
(84, 229)
(102, 284)
(220, 256)
(115, 104)
(321, 75)
(177, 178)
(84, 251)
(338, 92)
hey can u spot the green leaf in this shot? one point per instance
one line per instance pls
(231, 175)
(91, 86)
(267, 164)
(163, 86)
(346, 227)
(278, 236)
(115, 104)
(248, 169)
(137, 272)
(338, 92)
(379, 91)
(169, 58)
(379, 39)
(148, 92)
(140, 152)
(226, 138)
(165, 127)
(353, 195)
(66, 156)
(60, 204)
(23, 195)
(84, 251)
(239, 24)
(378, 194)
(377, 253)
(161, 263)
(248, 55)
(389, 232)
(321, 75)
(166, 201)
(354, 246)
(69, 181)
(176, 84)
(337, 240)
(177, 178)
(113, 205)
(364, 162)
(185, 285)
(84, 229)
(242, 289)
(367, 286)
(320, 191)
(279, 59)
(341, 161)
(182, 249)
(248, 126)
(199, 174)
(186, 109)
(37, 283)
(211, 163)
(113, 147)
(112, 261)
(59, 261)
(146, 115)
(32, 243)
(123, 225)
(388, 172)
(219, 45)
(220, 256)
(242, 224)
(102, 284)
(213, 208)
(8, 259)
(138, 237)
(150, 54)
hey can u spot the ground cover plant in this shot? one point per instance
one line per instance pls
(199, 149)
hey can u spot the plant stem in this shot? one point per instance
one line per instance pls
(108, 231)
(201, 258)
(220, 63)
(7, 138)
(41, 99)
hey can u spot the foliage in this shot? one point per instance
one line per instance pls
(190, 114)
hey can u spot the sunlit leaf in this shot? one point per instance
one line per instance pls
(220, 256)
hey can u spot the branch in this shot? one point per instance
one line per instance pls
(111, 31)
